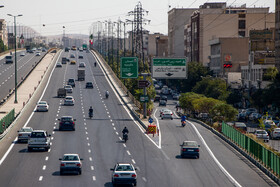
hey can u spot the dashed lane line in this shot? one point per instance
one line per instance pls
(44, 167)
(40, 178)
(128, 152)
(47, 158)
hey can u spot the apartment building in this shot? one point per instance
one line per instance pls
(158, 45)
(3, 32)
(277, 34)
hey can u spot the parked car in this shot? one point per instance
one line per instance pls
(162, 103)
(190, 149)
(167, 114)
(82, 65)
(66, 123)
(42, 106)
(39, 139)
(68, 88)
(124, 173)
(71, 82)
(250, 110)
(275, 133)
(254, 116)
(157, 98)
(268, 124)
(241, 116)
(262, 134)
(238, 125)
(89, 85)
(69, 100)
(58, 65)
(70, 163)
(24, 134)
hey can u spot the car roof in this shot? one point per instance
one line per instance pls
(72, 154)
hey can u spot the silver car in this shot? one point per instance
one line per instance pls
(275, 133)
(69, 100)
(262, 134)
(68, 88)
(71, 163)
(167, 114)
(24, 134)
(124, 173)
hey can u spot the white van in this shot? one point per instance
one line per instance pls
(9, 59)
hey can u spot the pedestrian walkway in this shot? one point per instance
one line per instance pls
(27, 88)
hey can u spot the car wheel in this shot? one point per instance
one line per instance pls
(29, 149)
(171, 118)
(161, 118)
(197, 157)
(74, 129)
(135, 184)
(47, 148)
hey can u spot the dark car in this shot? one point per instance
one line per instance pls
(164, 97)
(162, 103)
(67, 123)
(71, 82)
(157, 98)
(190, 149)
(81, 56)
(89, 85)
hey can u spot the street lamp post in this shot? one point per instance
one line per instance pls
(15, 55)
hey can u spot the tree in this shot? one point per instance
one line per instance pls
(270, 74)
(186, 100)
(2, 46)
(223, 112)
(212, 87)
(204, 104)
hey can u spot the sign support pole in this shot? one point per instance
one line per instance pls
(145, 104)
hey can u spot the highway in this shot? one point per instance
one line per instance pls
(98, 142)
(7, 71)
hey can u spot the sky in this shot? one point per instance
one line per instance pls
(78, 15)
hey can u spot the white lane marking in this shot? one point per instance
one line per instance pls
(47, 158)
(87, 138)
(53, 128)
(214, 158)
(92, 168)
(113, 124)
(157, 123)
(144, 179)
(120, 138)
(44, 167)
(50, 143)
(111, 120)
(133, 161)
(85, 128)
(86, 132)
(51, 138)
(89, 151)
(139, 126)
(109, 116)
(49, 150)
(117, 133)
(88, 144)
(114, 128)
(90, 159)
(107, 112)
(94, 178)
(53, 132)
(128, 152)
(40, 178)
(124, 145)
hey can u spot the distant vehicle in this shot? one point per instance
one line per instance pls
(203, 115)
(89, 85)
(73, 48)
(124, 173)
(262, 134)
(167, 114)
(64, 60)
(68, 88)
(81, 74)
(251, 110)
(72, 56)
(81, 56)
(9, 59)
(24, 134)
(73, 62)
(239, 125)
(82, 65)
(58, 65)
(66, 49)
(162, 110)
(34, 49)
(38, 54)
(162, 103)
(44, 50)
(61, 92)
(268, 124)
(22, 54)
(163, 97)
(71, 163)
(39, 139)
(42, 106)
(81, 49)
(67, 123)
(254, 116)
(71, 82)
(69, 100)
(176, 97)
(84, 46)
(157, 98)
(275, 133)
(190, 149)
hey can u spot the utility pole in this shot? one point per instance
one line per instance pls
(124, 39)
(118, 47)
(112, 57)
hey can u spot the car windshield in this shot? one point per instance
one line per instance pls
(37, 135)
(261, 132)
(190, 144)
(42, 103)
(70, 158)
(66, 119)
(68, 98)
(68, 86)
(124, 168)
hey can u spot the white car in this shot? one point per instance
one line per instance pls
(42, 106)
(68, 88)
(167, 114)
(262, 134)
(22, 54)
(69, 100)
(275, 133)
(162, 110)
(71, 163)
(124, 173)
(24, 134)
(38, 54)
(82, 65)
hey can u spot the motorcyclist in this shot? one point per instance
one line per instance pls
(125, 130)
(95, 64)
(90, 111)
(107, 93)
(183, 118)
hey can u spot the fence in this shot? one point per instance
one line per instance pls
(265, 156)
(7, 120)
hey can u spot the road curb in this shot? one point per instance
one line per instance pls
(236, 147)
(135, 116)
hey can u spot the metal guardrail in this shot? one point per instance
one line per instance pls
(7, 120)
(265, 156)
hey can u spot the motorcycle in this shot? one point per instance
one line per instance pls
(125, 137)
(106, 95)
(95, 64)
(90, 114)
(183, 123)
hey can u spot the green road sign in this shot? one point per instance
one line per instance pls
(129, 67)
(169, 68)
(144, 98)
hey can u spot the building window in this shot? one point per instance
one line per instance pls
(241, 24)
(242, 15)
(241, 33)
